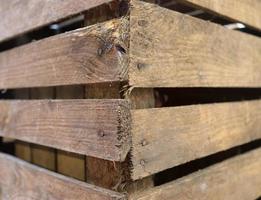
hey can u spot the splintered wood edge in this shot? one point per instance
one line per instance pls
(124, 130)
(17, 169)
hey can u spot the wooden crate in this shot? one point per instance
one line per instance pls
(136, 94)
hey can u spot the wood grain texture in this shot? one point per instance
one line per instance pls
(19, 17)
(86, 55)
(98, 128)
(167, 137)
(20, 180)
(170, 49)
(234, 179)
(245, 11)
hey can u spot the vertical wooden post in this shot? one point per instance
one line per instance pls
(140, 98)
(22, 149)
(41, 155)
(70, 164)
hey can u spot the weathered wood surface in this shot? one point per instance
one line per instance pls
(86, 55)
(233, 179)
(18, 17)
(167, 137)
(20, 180)
(170, 49)
(245, 11)
(98, 128)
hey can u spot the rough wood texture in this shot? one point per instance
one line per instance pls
(170, 49)
(98, 128)
(166, 137)
(68, 163)
(20, 180)
(246, 11)
(19, 17)
(233, 179)
(86, 55)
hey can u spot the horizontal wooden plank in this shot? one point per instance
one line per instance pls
(21, 180)
(181, 134)
(19, 17)
(233, 179)
(87, 55)
(245, 11)
(170, 49)
(98, 128)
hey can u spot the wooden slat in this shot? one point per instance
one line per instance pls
(170, 49)
(20, 180)
(86, 55)
(19, 17)
(246, 11)
(233, 179)
(167, 137)
(97, 128)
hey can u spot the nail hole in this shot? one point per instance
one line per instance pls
(120, 48)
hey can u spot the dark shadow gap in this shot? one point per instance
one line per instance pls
(202, 163)
(166, 97)
(7, 146)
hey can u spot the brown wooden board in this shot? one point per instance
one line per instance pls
(86, 55)
(170, 49)
(245, 11)
(166, 137)
(21, 180)
(233, 179)
(98, 128)
(18, 17)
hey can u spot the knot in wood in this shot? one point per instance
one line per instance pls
(142, 162)
(143, 22)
